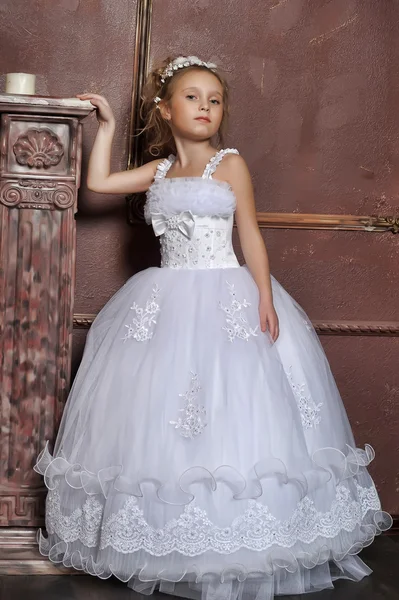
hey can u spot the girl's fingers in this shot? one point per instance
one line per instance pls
(269, 324)
(96, 97)
(273, 329)
(263, 323)
(94, 101)
(89, 94)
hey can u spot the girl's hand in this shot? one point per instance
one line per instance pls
(268, 319)
(104, 112)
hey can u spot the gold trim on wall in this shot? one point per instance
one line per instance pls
(333, 222)
(372, 328)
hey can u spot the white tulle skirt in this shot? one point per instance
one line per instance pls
(197, 457)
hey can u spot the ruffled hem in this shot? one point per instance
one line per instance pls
(283, 574)
(328, 464)
(103, 541)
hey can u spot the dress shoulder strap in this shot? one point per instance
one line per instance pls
(215, 160)
(164, 166)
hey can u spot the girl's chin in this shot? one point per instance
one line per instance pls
(197, 136)
(205, 129)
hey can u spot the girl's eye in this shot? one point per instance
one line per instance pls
(193, 97)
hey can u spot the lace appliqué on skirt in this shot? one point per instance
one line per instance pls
(310, 412)
(193, 533)
(84, 524)
(193, 419)
(237, 324)
(142, 325)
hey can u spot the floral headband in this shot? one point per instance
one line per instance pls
(179, 63)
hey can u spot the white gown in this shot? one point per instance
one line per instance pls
(194, 455)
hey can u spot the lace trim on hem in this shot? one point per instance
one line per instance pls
(276, 560)
(193, 533)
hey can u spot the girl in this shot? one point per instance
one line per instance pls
(200, 451)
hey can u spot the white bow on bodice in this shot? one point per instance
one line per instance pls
(184, 222)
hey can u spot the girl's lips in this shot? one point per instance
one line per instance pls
(203, 119)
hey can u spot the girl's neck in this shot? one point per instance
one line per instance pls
(191, 153)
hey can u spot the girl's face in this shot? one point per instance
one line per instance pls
(195, 110)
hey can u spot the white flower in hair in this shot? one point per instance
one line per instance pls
(184, 61)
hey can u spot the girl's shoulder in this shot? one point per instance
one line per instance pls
(232, 158)
(232, 162)
(154, 167)
(154, 164)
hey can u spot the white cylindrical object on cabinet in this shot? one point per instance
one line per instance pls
(20, 83)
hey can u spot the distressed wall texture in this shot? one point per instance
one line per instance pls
(75, 46)
(314, 112)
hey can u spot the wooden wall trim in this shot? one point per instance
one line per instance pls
(325, 221)
(368, 328)
(140, 71)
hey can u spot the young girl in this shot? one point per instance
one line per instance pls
(204, 447)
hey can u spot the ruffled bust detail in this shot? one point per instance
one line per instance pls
(203, 197)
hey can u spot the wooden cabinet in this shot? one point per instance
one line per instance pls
(39, 179)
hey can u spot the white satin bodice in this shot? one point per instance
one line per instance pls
(194, 218)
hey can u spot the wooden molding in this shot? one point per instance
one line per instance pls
(369, 328)
(135, 202)
(332, 222)
(83, 321)
(140, 70)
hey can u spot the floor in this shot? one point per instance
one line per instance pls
(382, 556)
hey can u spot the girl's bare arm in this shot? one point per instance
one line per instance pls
(234, 170)
(99, 177)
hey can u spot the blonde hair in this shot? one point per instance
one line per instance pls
(158, 134)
